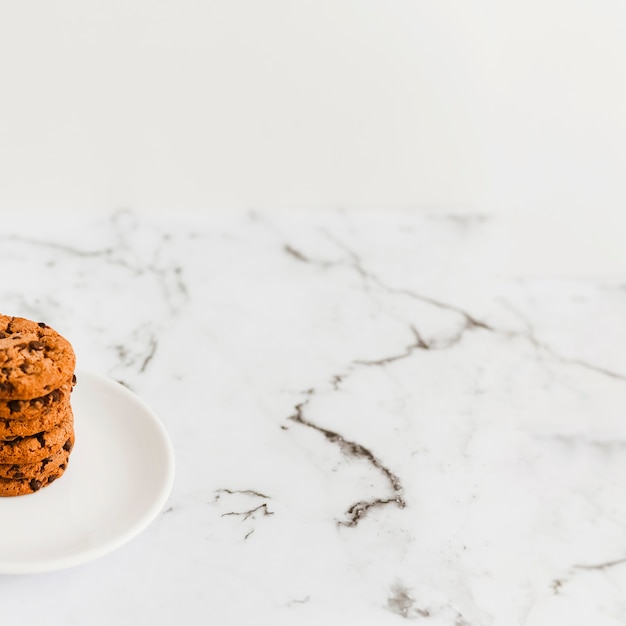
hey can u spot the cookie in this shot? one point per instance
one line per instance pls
(12, 429)
(39, 446)
(34, 359)
(25, 410)
(41, 469)
(21, 487)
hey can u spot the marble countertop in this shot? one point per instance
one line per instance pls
(373, 420)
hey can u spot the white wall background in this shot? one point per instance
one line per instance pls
(454, 104)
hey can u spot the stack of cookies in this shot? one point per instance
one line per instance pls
(36, 421)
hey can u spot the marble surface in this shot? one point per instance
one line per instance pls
(373, 420)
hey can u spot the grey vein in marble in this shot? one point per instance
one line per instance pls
(352, 449)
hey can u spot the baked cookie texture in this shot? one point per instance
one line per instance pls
(34, 358)
(40, 469)
(24, 486)
(36, 420)
(36, 447)
(49, 405)
(11, 428)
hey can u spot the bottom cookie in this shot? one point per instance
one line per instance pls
(21, 479)
(40, 469)
(25, 486)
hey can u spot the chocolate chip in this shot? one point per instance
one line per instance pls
(73, 379)
(42, 325)
(51, 479)
(34, 484)
(45, 462)
(63, 466)
(36, 345)
(18, 475)
(55, 395)
(6, 371)
(14, 406)
(8, 387)
(67, 446)
(27, 368)
(41, 439)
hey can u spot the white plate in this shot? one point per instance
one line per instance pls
(119, 477)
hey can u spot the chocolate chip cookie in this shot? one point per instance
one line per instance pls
(52, 403)
(36, 420)
(41, 469)
(38, 446)
(23, 486)
(34, 359)
(10, 429)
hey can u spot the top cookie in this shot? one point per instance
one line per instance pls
(34, 358)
